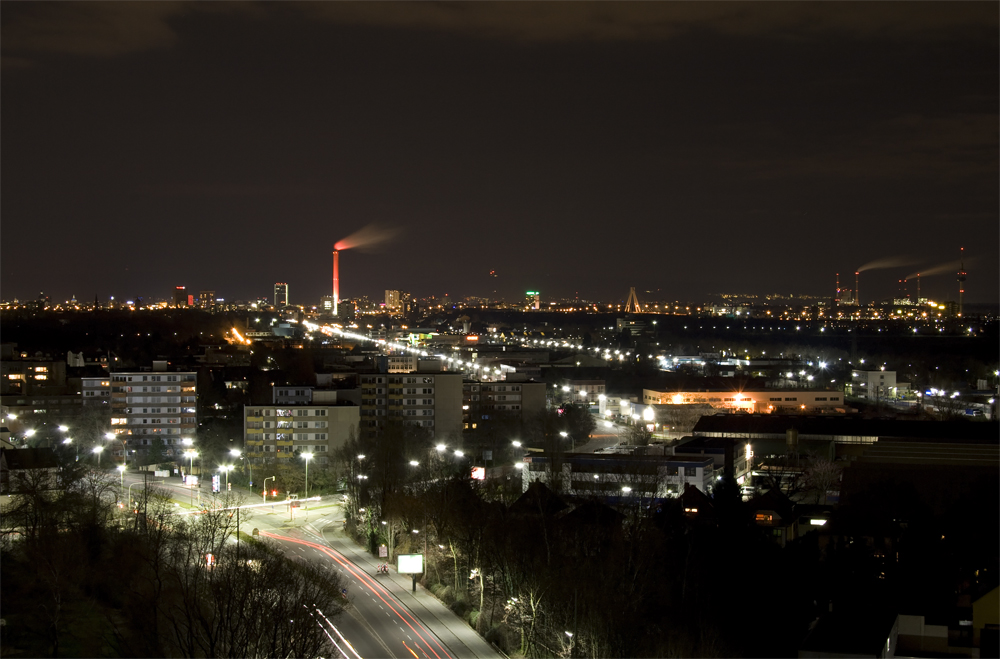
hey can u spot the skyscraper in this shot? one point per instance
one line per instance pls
(280, 295)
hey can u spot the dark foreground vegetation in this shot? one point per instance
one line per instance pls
(83, 577)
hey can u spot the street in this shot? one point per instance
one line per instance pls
(384, 618)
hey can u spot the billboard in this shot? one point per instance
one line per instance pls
(410, 563)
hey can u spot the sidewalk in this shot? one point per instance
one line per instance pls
(462, 640)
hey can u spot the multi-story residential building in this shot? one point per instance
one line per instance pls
(431, 400)
(616, 475)
(154, 404)
(392, 301)
(401, 363)
(96, 390)
(27, 375)
(276, 432)
(299, 394)
(489, 400)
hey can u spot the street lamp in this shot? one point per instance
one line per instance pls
(111, 435)
(191, 455)
(121, 470)
(98, 450)
(236, 453)
(226, 469)
(307, 457)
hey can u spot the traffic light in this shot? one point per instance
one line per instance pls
(274, 493)
(229, 487)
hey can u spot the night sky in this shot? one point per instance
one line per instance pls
(574, 148)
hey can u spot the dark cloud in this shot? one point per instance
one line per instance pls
(103, 29)
(618, 21)
(913, 145)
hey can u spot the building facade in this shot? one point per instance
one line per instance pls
(154, 404)
(281, 295)
(811, 401)
(279, 432)
(615, 475)
(486, 401)
(96, 390)
(430, 400)
(877, 385)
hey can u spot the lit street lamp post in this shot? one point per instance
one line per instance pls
(307, 457)
(191, 456)
(236, 453)
(227, 469)
(98, 450)
(111, 435)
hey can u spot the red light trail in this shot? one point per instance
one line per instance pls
(375, 587)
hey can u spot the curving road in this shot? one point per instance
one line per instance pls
(385, 617)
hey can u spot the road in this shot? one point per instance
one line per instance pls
(385, 618)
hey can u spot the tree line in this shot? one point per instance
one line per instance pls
(89, 571)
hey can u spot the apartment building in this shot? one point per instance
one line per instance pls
(430, 400)
(147, 405)
(279, 432)
(96, 390)
(488, 400)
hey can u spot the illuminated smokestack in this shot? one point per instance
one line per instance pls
(857, 289)
(918, 288)
(961, 281)
(837, 299)
(336, 280)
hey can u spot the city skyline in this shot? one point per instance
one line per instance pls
(569, 148)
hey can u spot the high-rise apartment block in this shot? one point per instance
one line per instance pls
(430, 400)
(96, 390)
(491, 401)
(392, 301)
(158, 404)
(279, 432)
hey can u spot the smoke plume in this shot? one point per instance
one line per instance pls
(949, 268)
(367, 238)
(889, 262)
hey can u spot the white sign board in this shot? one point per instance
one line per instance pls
(410, 563)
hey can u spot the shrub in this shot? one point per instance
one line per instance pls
(460, 607)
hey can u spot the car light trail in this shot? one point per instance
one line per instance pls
(345, 641)
(375, 587)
